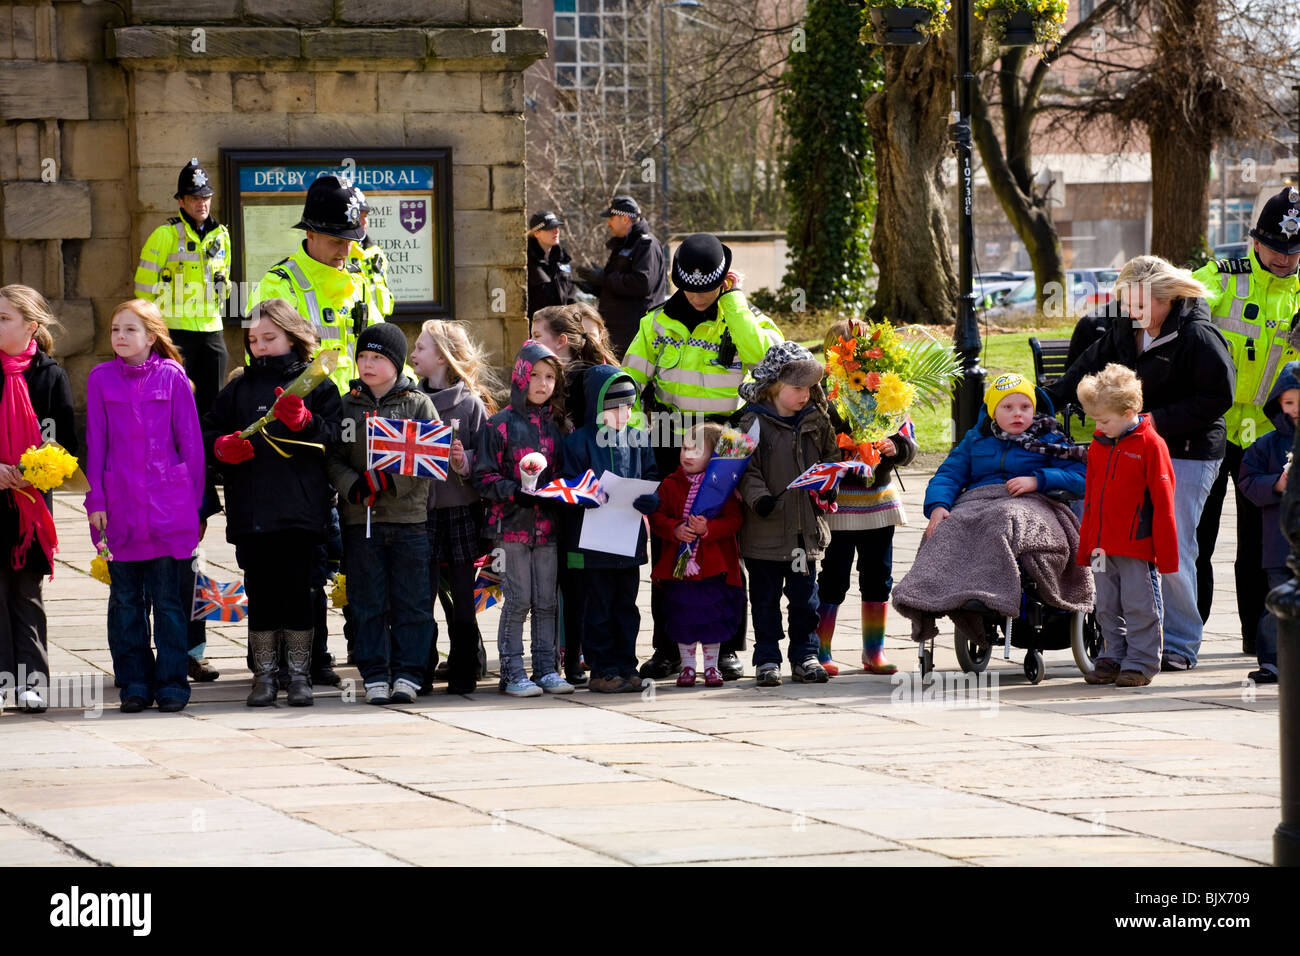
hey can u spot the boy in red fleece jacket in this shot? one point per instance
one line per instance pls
(1134, 540)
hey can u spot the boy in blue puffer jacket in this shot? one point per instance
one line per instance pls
(1263, 480)
(1011, 445)
(609, 582)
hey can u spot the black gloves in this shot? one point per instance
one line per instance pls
(764, 506)
(829, 496)
(524, 499)
(368, 487)
(589, 275)
(646, 504)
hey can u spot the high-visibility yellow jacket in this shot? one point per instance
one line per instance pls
(683, 364)
(374, 263)
(330, 299)
(185, 276)
(1253, 309)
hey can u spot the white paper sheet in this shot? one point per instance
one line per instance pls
(615, 526)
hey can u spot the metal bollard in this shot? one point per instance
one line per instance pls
(1284, 601)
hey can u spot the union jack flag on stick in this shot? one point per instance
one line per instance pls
(827, 475)
(408, 446)
(572, 490)
(215, 601)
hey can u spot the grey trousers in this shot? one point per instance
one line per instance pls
(527, 585)
(1130, 613)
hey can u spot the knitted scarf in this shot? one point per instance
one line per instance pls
(1031, 439)
(19, 431)
(692, 567)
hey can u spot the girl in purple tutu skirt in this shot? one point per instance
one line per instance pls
(706, 603)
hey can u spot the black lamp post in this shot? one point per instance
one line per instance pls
(969, 396)
(1284, 601)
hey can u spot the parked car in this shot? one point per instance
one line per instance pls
(1232, 250)
(1088, 289)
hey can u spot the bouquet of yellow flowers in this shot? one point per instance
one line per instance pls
(47, 467)
(339, 593)
(876, 377)
(99, 564)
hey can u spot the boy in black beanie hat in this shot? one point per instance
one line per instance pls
(385, 548)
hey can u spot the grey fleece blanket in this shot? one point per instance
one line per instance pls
(973, 556)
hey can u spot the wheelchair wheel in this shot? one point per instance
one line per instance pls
(1034, 668)
(972, 654)
(1085, 640)
(926, 660)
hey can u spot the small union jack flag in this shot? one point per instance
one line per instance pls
(572, 490)
(487, 589)
(827, 475)
(908, 430)
(409, 446)
(215, 601)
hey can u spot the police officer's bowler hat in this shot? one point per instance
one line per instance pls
(701, 263)
(193, 181)
(1279, 222)
(621, 206)
(332, 209)
(544, 220)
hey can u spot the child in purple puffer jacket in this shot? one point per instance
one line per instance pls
(145, 466)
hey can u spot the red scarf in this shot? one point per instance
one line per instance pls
(20, 430)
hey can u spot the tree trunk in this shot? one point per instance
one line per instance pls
(1011, 178)
(1180, 193)
(910, 243)
(1184, 130)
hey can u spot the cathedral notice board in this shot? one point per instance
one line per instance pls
(409, 194)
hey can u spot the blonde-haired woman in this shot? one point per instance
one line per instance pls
(455, 374)
(1165, 334)
(33, 390)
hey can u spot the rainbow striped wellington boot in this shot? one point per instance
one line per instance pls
(873, 638)
(825, 628)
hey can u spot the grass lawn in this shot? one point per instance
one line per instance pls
(1002, 352)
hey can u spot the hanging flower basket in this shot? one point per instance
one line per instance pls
(1023, 22)
(905, 24)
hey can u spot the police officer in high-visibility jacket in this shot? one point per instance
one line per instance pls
(367, 254)
(183, 269)
(688, 358)
(319, 281)
(1253, 301)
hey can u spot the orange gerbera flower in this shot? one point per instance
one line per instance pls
(873, 380)
(874, 353)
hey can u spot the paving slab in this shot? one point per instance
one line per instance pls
(850, 773)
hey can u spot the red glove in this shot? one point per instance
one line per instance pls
(290, 410)
(232, 449)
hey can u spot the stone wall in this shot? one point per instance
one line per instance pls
(109, 108)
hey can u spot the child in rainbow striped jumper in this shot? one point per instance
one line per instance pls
(868, 511)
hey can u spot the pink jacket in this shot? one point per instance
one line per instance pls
(144, 458)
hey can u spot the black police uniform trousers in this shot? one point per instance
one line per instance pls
(205, 357)
(1251, 582)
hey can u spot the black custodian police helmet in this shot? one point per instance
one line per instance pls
(701, 263)
(1279, 222)
(193, 181)
(332, 209)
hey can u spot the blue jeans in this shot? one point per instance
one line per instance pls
(135, 670)
(527, 584)
(389, 572)
(1183, 624)
(766, 580)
